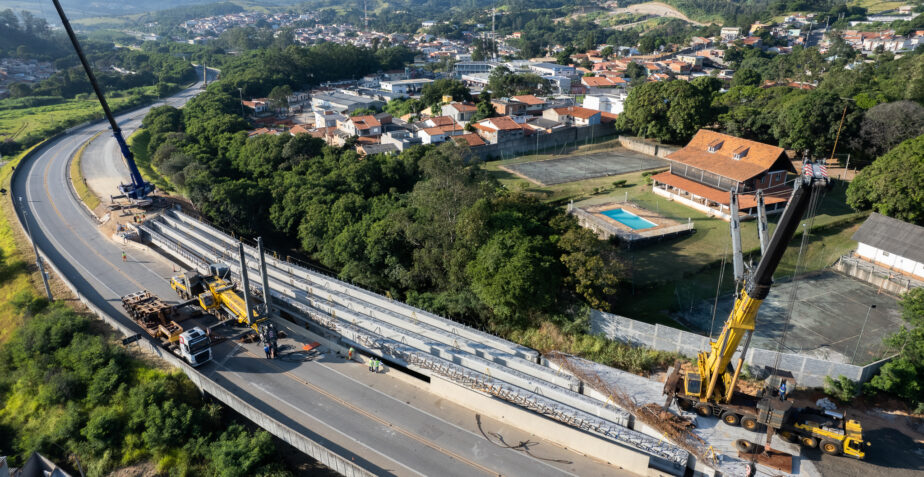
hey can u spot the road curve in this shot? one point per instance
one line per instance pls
(382, 424)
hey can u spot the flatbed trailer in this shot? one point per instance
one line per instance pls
(162, 321)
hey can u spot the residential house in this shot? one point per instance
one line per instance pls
(432, 135)
(499, 129)
(361, 126)
(712, 164)
(469, 139)
(534, 105)
(327, 118)
(370, 149)
(892, 244)
(602, 82)
(573, 116)
(259, 106)
(459, 112)
(401, 139)
(508, 106)
(730, 33)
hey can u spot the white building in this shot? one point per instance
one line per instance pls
(730, 33)
(552, 69)
(608, 103)
(892, 244)
(407, 86)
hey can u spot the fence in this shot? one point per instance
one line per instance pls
(807, 371)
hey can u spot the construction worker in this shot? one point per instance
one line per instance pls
(350, 354)
(372, 364)
(124, 258)
(783, 390)
(378, 366)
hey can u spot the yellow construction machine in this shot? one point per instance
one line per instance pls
(709, 389)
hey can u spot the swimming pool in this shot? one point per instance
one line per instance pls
(629, 219)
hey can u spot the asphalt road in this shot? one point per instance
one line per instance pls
(380, 422)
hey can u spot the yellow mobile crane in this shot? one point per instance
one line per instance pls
(216, 294)
(710, 389)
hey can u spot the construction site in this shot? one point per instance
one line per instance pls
(287, 347)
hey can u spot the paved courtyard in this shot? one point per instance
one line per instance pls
(827, 319)
(586, 166)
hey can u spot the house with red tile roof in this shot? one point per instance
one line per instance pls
(469, 139)
(499, 129)
(712, 164)
(459, 112)
(573, 116)
(299, 129)
(367, 125)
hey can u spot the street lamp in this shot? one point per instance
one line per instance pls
(860, 338)
(38, 258)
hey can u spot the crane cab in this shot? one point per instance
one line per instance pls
(692, 384)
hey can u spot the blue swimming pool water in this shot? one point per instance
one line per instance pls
(629, 219)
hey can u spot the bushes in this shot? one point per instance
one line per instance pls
(843, 389)
(64, 390)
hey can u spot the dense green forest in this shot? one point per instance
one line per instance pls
(425, 226)
(66, 390)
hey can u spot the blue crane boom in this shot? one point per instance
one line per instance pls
(139, 188)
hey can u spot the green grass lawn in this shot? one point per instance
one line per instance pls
(876, 6)
(139, 145)
(15, 277)
(675, 273)
(18, 121)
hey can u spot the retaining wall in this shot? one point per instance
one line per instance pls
(886, 280)
(302, 443)
(807, 371)
(638, 144)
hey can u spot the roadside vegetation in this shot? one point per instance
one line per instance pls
(77, 179)
(70, 391)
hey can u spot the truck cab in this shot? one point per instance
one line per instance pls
(195, 346)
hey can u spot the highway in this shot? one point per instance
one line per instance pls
(382, 422)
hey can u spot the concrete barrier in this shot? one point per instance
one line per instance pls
(644, 146)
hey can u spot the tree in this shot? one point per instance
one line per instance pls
(669, 111)
(607, 52)
(903, 376)
(886, 125)
(636, 72)
(593, 270)
(513, 274)
(746, 77)
(809, 121)
(279, 96)
(894, 184)
(432, 93)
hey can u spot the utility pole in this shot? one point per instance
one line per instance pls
(240, 92)
(38, 258)
(493, 35)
